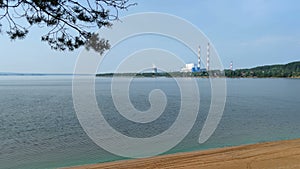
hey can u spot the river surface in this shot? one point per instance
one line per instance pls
(39, 127)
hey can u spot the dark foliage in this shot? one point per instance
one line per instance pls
(288, 70)
(69, 21)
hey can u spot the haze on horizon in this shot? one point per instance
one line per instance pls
(249, 33)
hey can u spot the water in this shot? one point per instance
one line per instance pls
(39, 128)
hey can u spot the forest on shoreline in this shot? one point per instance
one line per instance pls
(290, 70)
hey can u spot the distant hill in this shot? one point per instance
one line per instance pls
(35, 74)
(9, 74)
(287, 70)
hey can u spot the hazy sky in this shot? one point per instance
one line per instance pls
(247, 32)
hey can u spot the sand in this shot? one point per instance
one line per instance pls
(270, 155)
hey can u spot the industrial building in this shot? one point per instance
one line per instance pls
(192, 67)
(154, 68)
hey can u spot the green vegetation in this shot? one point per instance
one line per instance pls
(146, 74)
(290, 70)
(159, 74)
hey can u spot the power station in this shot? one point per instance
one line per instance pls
(196, 67)
(192, 67)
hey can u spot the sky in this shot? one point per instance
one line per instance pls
(248, 32)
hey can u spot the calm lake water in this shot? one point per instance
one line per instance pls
(39, 128)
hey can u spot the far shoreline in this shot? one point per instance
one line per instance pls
(200, 77)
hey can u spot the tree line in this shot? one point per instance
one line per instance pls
(286, 70)
(289, 70)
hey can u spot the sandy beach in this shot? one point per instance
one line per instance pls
(269, 155)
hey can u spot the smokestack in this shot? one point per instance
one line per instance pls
(199, 49)
(207, 59)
